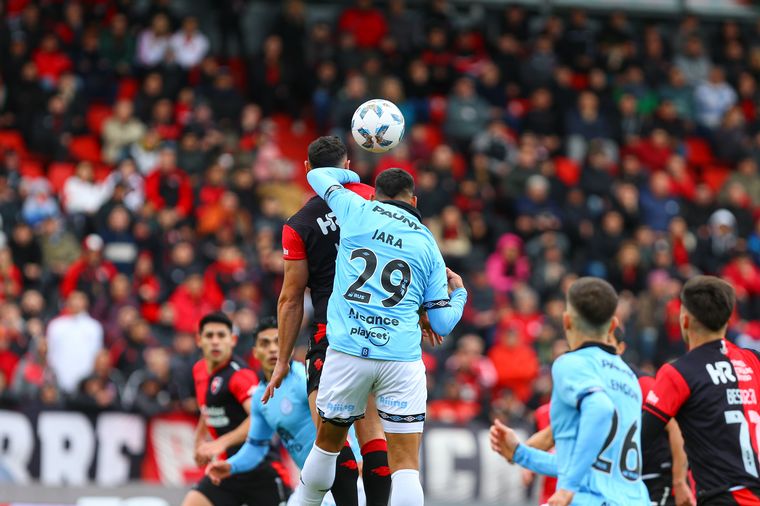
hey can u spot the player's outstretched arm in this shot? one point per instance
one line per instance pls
(289, 319)
(445, 313)
(597, 411)
(235, 437)
(328, 183)
(250, 454)
(681, 488)
(505, 442)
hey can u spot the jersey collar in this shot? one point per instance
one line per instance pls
(406, 207)
(596, 344)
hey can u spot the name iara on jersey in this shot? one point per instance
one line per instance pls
(387, 239)
(396, 216)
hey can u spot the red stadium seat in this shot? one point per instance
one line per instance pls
(31, 168)
(12, 139)
(127, 88)
(567, 170)
(715, 175)
(698, 152)
(102, 171)
(85, 147)
(58, 173)
(97, 114)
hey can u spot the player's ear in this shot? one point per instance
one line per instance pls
(567, 321)
(234, 339)
(414, 201)
(373, 197)
(198, 339)
(306, 165)
(347, 166)
(614, 323)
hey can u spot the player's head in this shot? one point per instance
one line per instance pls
(216, 338)
(265, 344)
(617, 339)
(395, 184)
(707, 303)
(327, 151)
(590, 311)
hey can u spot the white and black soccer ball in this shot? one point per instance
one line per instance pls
(377, 125)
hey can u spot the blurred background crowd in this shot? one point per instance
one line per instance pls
(151, 151)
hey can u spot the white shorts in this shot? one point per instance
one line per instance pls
(400, 390)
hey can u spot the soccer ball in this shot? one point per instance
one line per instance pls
(377, 125)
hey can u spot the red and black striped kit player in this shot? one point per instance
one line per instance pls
(712, 391)
(223, 387)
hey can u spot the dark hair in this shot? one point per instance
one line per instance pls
(709, 300)
(392, 183)
(265, 323)
(216, 317)
(327, 151)
(594, 300)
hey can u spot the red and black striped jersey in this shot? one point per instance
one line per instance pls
(712, 391)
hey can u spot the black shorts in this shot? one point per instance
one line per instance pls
(748, 496)
(315, 357)
(261, 487)
(661, 490)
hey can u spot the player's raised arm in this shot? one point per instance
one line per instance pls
(328, 183)
(445, 297)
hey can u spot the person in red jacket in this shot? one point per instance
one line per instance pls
(191, 301)
(51, 61)
(90, 274)
(516, 363)
(366, 24)
(168, 190)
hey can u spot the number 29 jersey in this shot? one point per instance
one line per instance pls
(712, 391)
(615, 476)
(388, 265)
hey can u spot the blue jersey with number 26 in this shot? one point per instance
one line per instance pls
(615, 476)
(388, 265)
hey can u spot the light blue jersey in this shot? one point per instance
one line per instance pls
(287, 413)
(388, 265)
(596, 422)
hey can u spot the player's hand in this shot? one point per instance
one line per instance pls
(454, 279)
(428, 335)
(206, 451)
(504, 441)
(281, 370)
(561, 498)
(527, 477)
(218, 470)
(683, 495)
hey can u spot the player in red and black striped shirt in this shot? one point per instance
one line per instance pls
(712, 391)
(223, 388)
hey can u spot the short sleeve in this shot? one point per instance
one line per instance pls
(437, 289)
(242, 384)
(293, 247)
(668, 393)
(574, 379)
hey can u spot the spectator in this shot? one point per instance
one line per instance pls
(167, 189)
(189, 303)
(507, 266)
(131, 186)
(91, 273)
(189, 44)
(82, 196)
(117, 45)
(466, 113)
(27, 254)
(153, 42)
(712, 99)
(693, 62)
(120, 131)
(473, 371)
(74, 339)
(584, 125)
(152, 392)
(366, 24)
(657, 204)
(747, 177)
(732, 143)
(35, 378)
(102, 389)
(718, 247)
(452, 236)
(516, 363)
(11, 281)
(52, 130)
(59, 246)
(51, 62)
(145, 153)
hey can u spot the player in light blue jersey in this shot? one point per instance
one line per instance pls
(595, 412)
(288, 415)
(388, 266)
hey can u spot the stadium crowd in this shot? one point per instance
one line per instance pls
(147, 168)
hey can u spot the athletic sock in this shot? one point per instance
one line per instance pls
(346, 473)
(317, 476)
(407, 489)
(375, 472)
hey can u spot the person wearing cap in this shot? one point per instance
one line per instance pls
(717, 248)
(91, 273)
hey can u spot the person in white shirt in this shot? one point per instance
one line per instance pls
(713, 98)
(189, 44)
(120, 131)
(81, 194)
(74, 340)
(153, 42)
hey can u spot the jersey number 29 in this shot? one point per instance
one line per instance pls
(397, 290)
